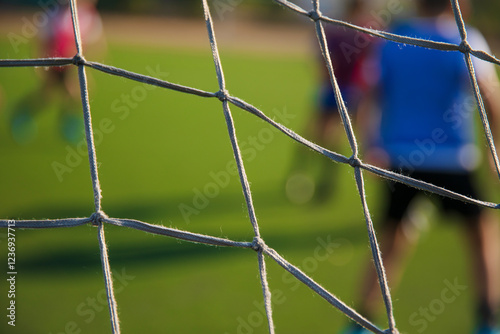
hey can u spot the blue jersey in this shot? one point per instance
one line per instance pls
(425, 100)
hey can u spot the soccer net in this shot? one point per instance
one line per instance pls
(99, 217)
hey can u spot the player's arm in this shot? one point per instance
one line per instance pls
(369, 113)
(489, 84)
(490, 89)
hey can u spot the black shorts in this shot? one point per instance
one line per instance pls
(400, 195)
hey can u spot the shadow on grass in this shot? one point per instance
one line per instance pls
(66, 259)
(142, 250)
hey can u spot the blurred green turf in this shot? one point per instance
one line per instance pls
(155, 155)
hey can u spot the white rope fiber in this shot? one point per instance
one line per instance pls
(99, 218)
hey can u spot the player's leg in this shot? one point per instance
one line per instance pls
(307, 179)
(396, 241)
(71, 117)
(483, 235)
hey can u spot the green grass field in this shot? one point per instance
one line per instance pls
(156, 153)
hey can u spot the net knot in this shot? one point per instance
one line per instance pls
(464, 47)
(78, 60)
(98, 217)
(315, 15)
(222, 95)
(354, 161)
(258, 244)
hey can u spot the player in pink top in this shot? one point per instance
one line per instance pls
(59, 84)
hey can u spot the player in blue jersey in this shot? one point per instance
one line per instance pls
(426, 108)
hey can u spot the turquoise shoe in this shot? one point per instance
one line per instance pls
(356, 329)
(23, 127)
(72, 128)
(487, 330)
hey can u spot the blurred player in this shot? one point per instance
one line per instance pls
(59, 84)
(347, 49)
(426, 131)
